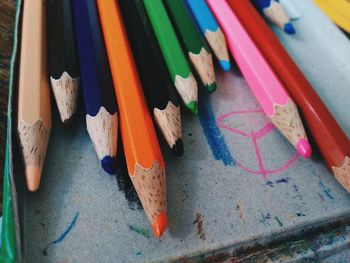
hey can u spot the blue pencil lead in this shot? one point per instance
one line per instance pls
(109, 164)
(289, 29)
(225, 65)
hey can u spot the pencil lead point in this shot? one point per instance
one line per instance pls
(159, 225)
(304, 148)
(109, 164)
(211, 87)
(178, 148)
(33, 176)
(225, 65)
(289, 29)
(192, 106)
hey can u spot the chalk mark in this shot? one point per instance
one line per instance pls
(64, 234)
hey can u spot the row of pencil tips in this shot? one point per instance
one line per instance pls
(134, 58)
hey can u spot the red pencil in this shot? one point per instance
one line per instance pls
(330, 138)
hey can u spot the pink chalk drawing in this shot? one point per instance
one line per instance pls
(255, 136)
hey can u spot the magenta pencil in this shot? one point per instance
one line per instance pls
(265, 85)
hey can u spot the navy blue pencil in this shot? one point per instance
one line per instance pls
(274, 11)
(97, 85)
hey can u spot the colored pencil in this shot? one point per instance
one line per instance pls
(211, 31)
(267, 88)
(338, 11)
(160, 93)
(331, 140)
(192, 41)
(143, 156)
(97, 85)
(63, 62)
(34, 108)
(274, 11)
(174, 57)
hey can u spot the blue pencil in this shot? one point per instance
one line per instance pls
(211, 31)
(274, 11)
(97, 85)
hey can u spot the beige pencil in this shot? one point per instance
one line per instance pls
(34, 109)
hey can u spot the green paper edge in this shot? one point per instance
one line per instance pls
(8, 236)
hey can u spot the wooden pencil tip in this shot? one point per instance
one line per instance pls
(159, 225)
(66, 92)
(33, 176)
(342, 173)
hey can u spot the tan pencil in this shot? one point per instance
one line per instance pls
(34, 109)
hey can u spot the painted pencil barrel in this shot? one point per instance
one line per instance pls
(98, 92)
(193, 42)
(160, 93)
(175, 59)
(143, 156)
(265, 85)
(330, 138)
(211, 31)
(34, 109)
(63, 64)
(274, 11)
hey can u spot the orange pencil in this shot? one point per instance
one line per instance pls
(143, 156)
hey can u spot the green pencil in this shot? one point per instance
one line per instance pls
(192, 40)
(175, 59)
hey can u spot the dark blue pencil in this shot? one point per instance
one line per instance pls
(275, 13)
(97, 85)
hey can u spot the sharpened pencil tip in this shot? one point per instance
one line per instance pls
(178, 148)
(109, 164)
(159, 225)
(304, 148)
(192, 106)
(225, 65)
(211, 88)
(33, 176)
(289, 29)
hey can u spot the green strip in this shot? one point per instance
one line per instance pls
(8, 241)
(174, 57)
(186, 26)
(8, 236)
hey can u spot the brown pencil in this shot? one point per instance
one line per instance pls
(34, 109)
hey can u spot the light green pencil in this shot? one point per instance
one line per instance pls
(174, 57)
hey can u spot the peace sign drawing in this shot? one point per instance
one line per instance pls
(254, 129)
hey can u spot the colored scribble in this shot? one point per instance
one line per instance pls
(212, 133)
(326, 190)
(264, 218)
(199, 223)
(64, 234)
(255, 136)
(139, 230)
(278, 221)
(284, 180)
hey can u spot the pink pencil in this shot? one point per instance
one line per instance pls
(267, 88)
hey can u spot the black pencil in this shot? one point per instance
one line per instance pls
(156, 82)
(63, 63)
